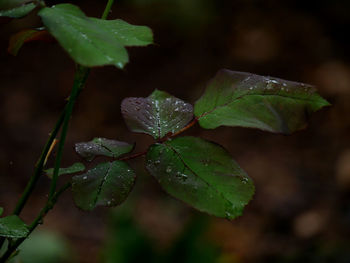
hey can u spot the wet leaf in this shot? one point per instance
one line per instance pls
(157, 115)
(75, 168)
(108, 184)
(91, 41)
(24, 36)
(248, 100)
(102, 146)
(17, 11)
(13, 227)
(202, 174)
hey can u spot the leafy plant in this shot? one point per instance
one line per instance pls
(196, 171)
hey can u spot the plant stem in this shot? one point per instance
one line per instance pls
(49, 205)
(133, 156)
(107, 9)
(79, 82)
(38, 166)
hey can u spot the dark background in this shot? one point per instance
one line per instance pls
(301, 209)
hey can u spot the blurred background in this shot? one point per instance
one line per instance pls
(301, 209)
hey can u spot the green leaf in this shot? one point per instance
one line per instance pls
(102, 146)
(248, 100)
(19, 11)
(108, 184)
(13, 227)
(202, 174)
(91, 41)
(157, 115)
(75, 168)
(8, 4)
(1, 210)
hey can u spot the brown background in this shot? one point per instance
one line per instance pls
(301, 206)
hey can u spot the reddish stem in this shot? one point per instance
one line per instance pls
(130, 157)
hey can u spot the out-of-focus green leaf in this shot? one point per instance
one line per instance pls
(248, 100)
(1, 210)
(91, 41)
(108, 184)
(8, 4)
(202, 174)
(44, 247)
(102, 146)
(24, 36)
(13, 227)
(74, 168)
(17, 12)
(157, 115)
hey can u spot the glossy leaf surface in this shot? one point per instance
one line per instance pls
(102, 146)
(91, 41)
(202, 174)
(75, 168)
(157, 115)
(108, 184)
(248, 100)
(18, 11)
(13, 227)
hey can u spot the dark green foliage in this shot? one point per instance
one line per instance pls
(16, 8)
(104, 147)
(196, 171)
(74, 168)
(202, 174)
(157, 115)
(248, 100)
(13, 227)
(91, 41)
(108, 184)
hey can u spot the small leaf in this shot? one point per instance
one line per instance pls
(75, 168)
(156, 115)
(91, 41)
(248, 100)
(102, 146)
(13, 227)
(17, 12)
(108, 184)
(202, 174)
(1, 210)
(24, 36)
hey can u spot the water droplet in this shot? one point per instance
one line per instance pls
(109, 203)
(156, 162)
(228, 215)
(168, 169)
(85, 177)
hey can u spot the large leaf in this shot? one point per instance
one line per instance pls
(13, 227)
(75, 168)
(90, 41)
(157, 115)
(202, 174)
(108, 184)
(248, 100)
(17, 11)
(102, 146)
